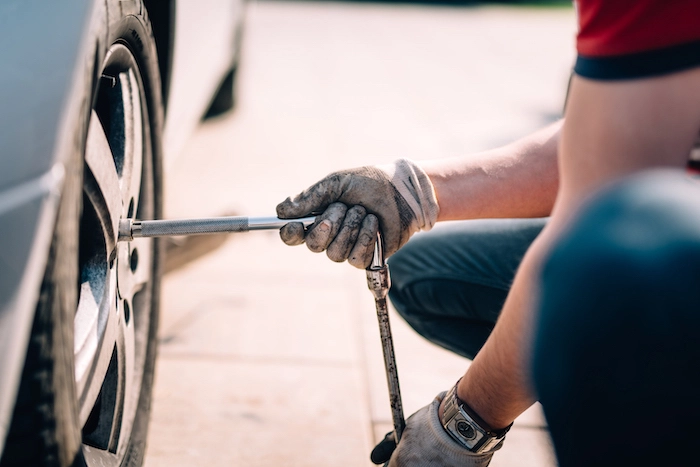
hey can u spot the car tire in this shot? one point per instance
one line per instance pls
(85, 392)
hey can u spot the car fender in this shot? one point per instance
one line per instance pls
(47, 64)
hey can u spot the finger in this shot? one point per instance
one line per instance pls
(361, 254)
(313, 199)
(384, 449)
(323, 231)
(340, 247)
(293, 233)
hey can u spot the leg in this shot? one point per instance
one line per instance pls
(616, 351)
(450, 283)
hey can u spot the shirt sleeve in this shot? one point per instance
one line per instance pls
(627, 39)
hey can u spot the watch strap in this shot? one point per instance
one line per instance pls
(466, 427)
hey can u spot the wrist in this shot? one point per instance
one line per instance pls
(416, 188)
(466, 427)
(471, 392)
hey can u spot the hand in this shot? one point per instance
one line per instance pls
(426, 443)
(397, 199)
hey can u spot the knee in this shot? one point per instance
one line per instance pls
(617, 316)
(637, 242)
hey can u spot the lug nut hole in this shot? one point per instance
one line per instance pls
(127, 311)
(134, 263)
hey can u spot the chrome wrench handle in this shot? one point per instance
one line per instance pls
(130, 229)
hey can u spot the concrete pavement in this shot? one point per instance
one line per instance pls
(270, 355)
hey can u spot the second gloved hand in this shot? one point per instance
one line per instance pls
(398, 199)
(425, 443)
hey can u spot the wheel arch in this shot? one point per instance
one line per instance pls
(162, 16)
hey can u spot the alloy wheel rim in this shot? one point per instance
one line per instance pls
(113, 314)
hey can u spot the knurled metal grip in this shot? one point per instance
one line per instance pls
(192, 227)
(129, 229)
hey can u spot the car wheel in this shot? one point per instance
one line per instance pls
(85, 393)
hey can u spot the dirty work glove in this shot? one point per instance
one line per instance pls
(397, 198)
(425, 443)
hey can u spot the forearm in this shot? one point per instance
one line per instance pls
(517, 180)
(497, 384)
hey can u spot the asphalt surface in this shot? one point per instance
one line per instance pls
(270, 355)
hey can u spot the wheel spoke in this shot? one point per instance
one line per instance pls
(97, 330)
(133, 145)
(102, 181)
(125, 384)
(95, 456)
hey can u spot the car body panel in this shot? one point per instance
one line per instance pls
(38, 82)
(38, 58)
(199, 63)
(26, 223)
(43, 79)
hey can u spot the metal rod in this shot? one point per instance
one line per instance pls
(379, 281)
(130, 229)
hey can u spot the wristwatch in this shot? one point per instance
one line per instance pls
(466, 427)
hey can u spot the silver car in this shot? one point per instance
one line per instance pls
(93, 95)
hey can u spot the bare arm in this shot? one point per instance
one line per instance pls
(612, 129)
(517, 180)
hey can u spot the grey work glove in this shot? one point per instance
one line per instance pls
(425, 443)
(398, 199)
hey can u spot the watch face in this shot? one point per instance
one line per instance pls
(466, 430)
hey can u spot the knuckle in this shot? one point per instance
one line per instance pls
(335, 211)
(354, 216)
(359, 210)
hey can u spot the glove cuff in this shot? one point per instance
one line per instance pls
(448, 446)
(416, 188)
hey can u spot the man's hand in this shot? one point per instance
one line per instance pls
(398, 198)
(426, 443)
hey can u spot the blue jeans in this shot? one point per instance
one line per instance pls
(450, 283)
(617, 348)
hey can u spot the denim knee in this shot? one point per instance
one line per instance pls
(449, 284)
(618, 323)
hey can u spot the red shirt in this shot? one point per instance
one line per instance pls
(623, 39)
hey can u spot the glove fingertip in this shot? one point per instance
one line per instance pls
(292, 234)
(287, 209)
(360, 262)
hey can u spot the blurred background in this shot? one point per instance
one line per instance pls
(269, 355)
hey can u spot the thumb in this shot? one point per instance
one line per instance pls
(384, 449)
(314, 199)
